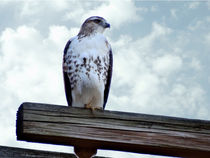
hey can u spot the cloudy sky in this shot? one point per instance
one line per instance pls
(161, 57)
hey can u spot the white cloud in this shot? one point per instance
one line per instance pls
(208, 4)
(59, 34)
(195, 64)
(158, 30)
(150, 78)
(207, 39)
(31, 7)
(116, 12)
(173, 13)
(3, 2)
(133, 67)
(167, 64)
(31, 62)
(74, 14)
(200, 24)
(195, 25)
(154, 8)
(194, 5)
(184, 98)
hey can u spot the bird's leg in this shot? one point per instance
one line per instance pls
(89, 106)
(96, 108)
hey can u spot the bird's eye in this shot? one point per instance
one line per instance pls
(97, 21)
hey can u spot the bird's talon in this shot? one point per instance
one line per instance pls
(88, 106)
(93, 108)
(96, 108)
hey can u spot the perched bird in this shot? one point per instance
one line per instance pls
(87, 66)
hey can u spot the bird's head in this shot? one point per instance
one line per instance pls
(92, 25)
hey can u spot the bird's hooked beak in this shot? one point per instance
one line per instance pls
(106, 25)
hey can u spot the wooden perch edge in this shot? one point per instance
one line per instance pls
(150, 134)
(14, 152)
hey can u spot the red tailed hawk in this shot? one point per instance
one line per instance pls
(87, 66)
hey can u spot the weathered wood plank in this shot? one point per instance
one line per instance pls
(14, 152)
(132, 132)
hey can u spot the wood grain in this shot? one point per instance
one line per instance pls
(14, 152)
(140, 133)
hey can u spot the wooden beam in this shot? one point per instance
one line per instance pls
(14, 152)
(140, 133)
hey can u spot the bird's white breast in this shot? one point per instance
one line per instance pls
(88, 59)
(91, 45)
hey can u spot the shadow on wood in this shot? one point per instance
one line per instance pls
(149, 134)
